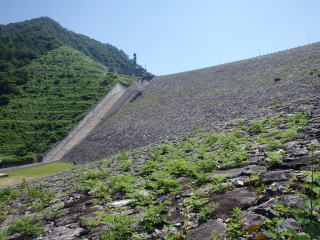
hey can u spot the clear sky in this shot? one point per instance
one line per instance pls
(176, 35)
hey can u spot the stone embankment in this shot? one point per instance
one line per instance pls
(176, 104)
(116, 98)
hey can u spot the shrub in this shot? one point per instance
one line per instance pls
(234, 225)
(163, 182)
(7, 195)
(122, 183)
(200, 206)
(26, 227)
(153, 217)
(96, 174)
(4, 100)
(120, 227)
(179, 166)
(256, 127)
(274, 158)
(125, 165)
(149, 167)
(164, 149)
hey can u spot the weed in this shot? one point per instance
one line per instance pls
(153, 217)
(274, 158)
(220, 184)
(255, 179)
(125, 165)
(7, 195)
(96, 174)
(162, 182)
(201, 206)
(164, 149)
(234, 225)
(256, 127)
(121, 227)
(36, 196)
(122, 183)
(26, 228)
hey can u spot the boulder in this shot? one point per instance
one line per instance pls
(244, 171)
(277, 176)
(293, 200)
(252, 222)
(238, 198)
(288, 223)
(300, 151)
(121, 203)
(207, 230)
(65, 233)
(265, 208)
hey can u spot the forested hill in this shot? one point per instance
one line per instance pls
(24, 41)
(49, 78)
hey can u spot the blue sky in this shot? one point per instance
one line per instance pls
(176, 35)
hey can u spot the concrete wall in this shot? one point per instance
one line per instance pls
(86, 125)
(134, 90)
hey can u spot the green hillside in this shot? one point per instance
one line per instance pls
(58, 89)
(23, 41)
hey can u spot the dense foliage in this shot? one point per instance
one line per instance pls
(24, 41)
(59, 88)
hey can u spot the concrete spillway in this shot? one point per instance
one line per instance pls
(112, 102)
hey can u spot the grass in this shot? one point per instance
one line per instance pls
(62, 86)
(17, 176)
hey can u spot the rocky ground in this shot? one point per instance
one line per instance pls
(177, 104)
(247, 180)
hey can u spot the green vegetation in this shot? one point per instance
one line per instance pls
(49, 78)
(25, 228)
(234, 225)
(153, 217)
(120, 227)
(201, 206)
(179, 176)
(307, 217)
(22, 42)
(36, 196)
(274, 158)
(62, 86)
(17, 176)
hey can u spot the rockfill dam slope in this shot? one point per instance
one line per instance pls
(174, 105)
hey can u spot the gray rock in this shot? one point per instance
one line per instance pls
(290, 145)
(252, 222)
(299, 152)
(64, 233)
(121, 203)
(236, 172)
(265, 208)
(206, 230)
(232, 199)
(278, 187)
(68, 219)
(287, 224)
(293, 200)
(277, 176)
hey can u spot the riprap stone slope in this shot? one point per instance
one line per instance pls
(176, 104)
